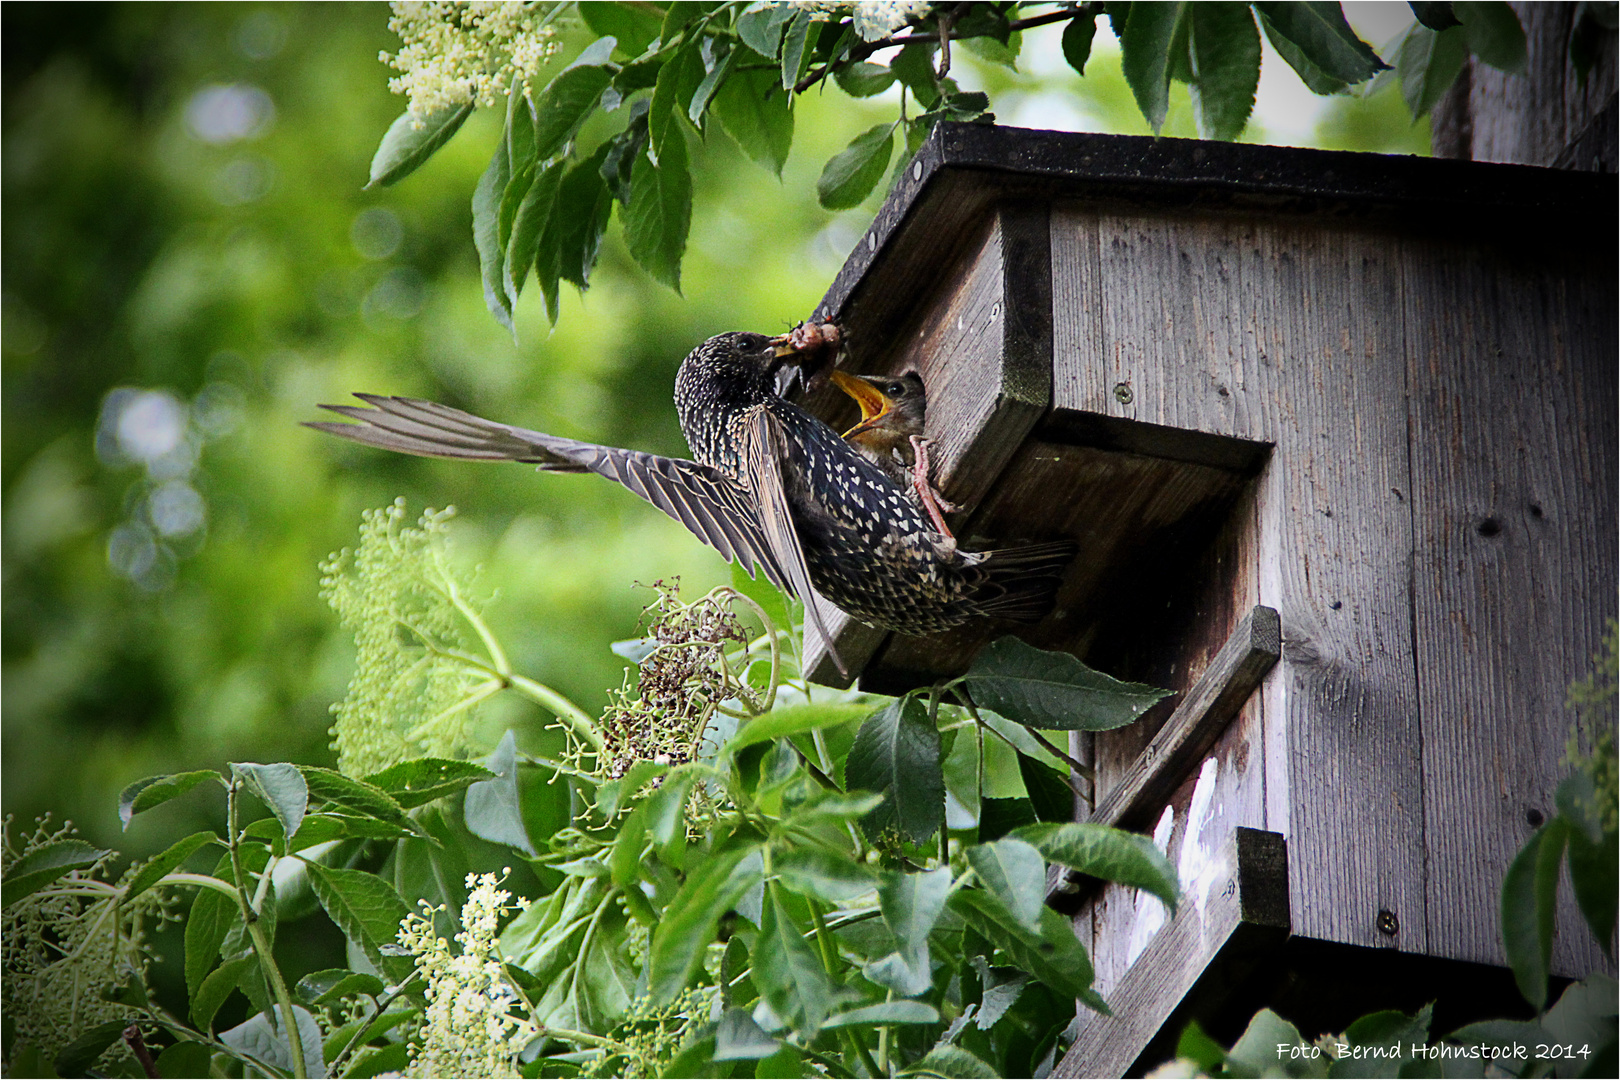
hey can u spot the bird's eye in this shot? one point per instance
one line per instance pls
(897, 388)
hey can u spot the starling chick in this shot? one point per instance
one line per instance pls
(890, 435)
(772, 488)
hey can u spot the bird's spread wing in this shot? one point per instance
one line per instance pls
(708, 502)
(764, 450)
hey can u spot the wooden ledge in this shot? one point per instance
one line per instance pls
(1181, 744)
(1242, 916)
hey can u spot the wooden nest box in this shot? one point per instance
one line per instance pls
(1336, 435)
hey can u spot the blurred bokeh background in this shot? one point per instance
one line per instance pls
(190, 266)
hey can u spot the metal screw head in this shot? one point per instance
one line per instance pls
(1387, 924)
(1123, 394)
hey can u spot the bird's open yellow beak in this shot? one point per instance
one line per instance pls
(875, 405)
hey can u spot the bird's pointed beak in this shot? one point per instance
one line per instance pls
(875, 405)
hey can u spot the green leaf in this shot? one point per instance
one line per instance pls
(861, 79)
(1315, 79)
(1197, 1047)
(368, 911)
(693, 917)
(1584, 1017)
(335, 984)
(1428, 63)
(279, 786)
(584, 205)
(896, 753)
(42, 866)
(159, 865)
(494, 808)
(1494, 34)
(1319, 33)
(824, 875)
(1255, 1053)
(724, 63)
(209, 922)
(1436, 16)
(677, 16)
(787, 970)
(1529, 899)
(156, 790)
(354, 797)
(1016, 873)
(793, 719)
(184, 1059)
(632, 25)
(217, 988)
(406, 147)
(535, 214)
(998, 817)
(761, 29)
(1050, 795)
(1107, 853)
(1386, 1039)
(520, 129)
(911, 905)
(851, 174)
(1151, 32)
(422, 780)
(486, 214)
(666, 818)
(77, 1057)
(948, 1059)
(758, 115)
(1053, 955)
(569, 101)
(885, 1012)
(659, 215)
(798, 46)
(677, 81)
(738, 1038)
(612, 796)
(988, 48)
(1594, 870)
(1225, 50)
(913, 65)
(1077, 38)
(1053, 690)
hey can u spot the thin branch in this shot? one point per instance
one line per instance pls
(861, 51)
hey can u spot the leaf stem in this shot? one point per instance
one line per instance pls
(261, 945)
(577, 719)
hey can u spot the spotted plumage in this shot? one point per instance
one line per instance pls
(773, 488)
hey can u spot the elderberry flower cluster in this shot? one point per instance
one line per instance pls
(874, 19)
(453, 53)
(469, 1028)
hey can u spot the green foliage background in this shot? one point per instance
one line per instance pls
(236, 276)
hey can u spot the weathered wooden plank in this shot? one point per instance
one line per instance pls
(1200, 717)
(1269, 331)
(1512, 368)
(1242, 907)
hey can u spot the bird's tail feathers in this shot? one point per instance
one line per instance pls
(1021, 582)
(428, 429)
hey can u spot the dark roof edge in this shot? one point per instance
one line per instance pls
(1188, 172)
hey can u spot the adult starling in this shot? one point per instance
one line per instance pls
(773, 488)
(890, 434)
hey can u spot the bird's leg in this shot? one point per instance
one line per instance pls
(932, 500)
